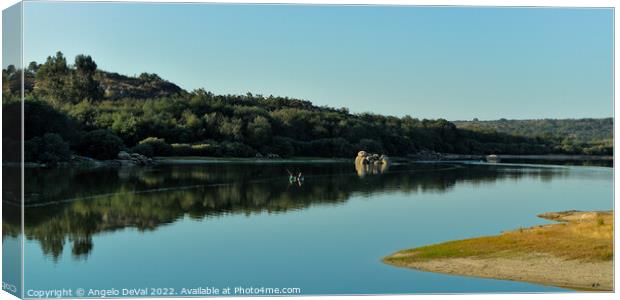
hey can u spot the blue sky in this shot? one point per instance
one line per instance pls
(429, 62)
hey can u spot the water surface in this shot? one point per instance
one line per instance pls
(223, 225)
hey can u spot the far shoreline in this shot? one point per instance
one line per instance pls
(546, 159)
(171, 160)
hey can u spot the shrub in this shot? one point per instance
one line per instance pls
(31, 150)
(237, 149)
(100, 144)
(282, 146)
(160, 147)
(369, 145)
(211, 149)
(43, 118)
(49, 149)
(182, 149)
(144, 149)
(332, 147)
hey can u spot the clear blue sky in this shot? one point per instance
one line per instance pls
(428, 62)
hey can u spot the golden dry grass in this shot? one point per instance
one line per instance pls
(586, 236)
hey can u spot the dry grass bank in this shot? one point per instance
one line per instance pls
(575, 253)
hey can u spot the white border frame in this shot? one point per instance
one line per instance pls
(502, 3)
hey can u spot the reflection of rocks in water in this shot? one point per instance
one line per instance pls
(76, 204)
(371, 169)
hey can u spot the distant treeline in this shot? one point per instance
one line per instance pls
(78, 109)
(574, 136)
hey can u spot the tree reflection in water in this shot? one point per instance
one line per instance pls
(72, 205)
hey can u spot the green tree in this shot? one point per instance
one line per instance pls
(83, 84)
(259, 131)
(49, 149)
(100, 144)
(159, 146)
(202, 123)
(52, 79)
(231, 129)
(144, 149)
(42, 118)
(369, 145)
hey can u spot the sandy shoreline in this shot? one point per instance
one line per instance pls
(534, 268)
(570, 254)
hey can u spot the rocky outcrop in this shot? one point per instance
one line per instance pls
(77, 160)
(366, 158)
(368, 163)
(267, 156)
(124, 155)
(123, 159)
(134, 159)
(145, 86)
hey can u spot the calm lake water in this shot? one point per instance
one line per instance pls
(228, 225)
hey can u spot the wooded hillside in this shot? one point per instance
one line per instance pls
(78, 109)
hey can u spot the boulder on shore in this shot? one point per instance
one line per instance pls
(134, 159)
(369, 163)
(124, 155)
(366, 158)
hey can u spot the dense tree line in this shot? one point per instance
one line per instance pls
(575, 136)
(78, 108)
